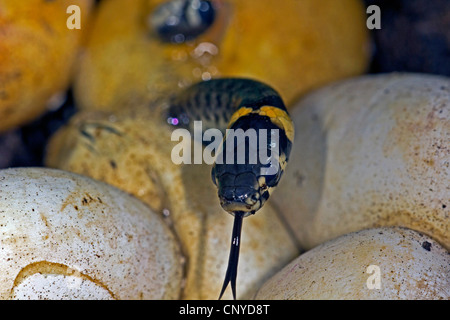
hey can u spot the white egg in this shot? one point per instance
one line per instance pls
(382, 263)
(66, 236)
(369, 152)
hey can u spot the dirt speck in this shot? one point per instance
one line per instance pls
(426, 245)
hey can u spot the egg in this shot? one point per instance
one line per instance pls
(66, 236)
(133, 151)
(37, 56)
(381, 263)
(370, 151)
(293, 45)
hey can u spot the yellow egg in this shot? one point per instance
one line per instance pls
(292, 45)
(37, 56)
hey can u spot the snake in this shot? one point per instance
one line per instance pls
(250, 106)
(250, 115)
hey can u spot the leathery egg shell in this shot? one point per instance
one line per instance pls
(134, 153)
(66, 236)
(370, 152)
(382, 263)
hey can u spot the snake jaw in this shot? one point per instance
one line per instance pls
(247, 202)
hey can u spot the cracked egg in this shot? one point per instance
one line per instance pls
(132, 151)
(65, 236)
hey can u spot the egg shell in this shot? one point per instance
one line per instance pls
(37, 54)
(371, 151)
(380, 264)
(292, 45)
(66, 236)
(133, 152)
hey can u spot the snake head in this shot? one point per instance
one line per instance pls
(242, 191)
(244, 175)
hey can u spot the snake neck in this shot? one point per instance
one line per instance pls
(214, 102)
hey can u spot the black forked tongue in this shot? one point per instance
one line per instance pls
(233, 259)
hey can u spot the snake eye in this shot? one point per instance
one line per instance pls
(177, 21)
(272, 180)
(255, 197)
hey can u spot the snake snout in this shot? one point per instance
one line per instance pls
(244, 199)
